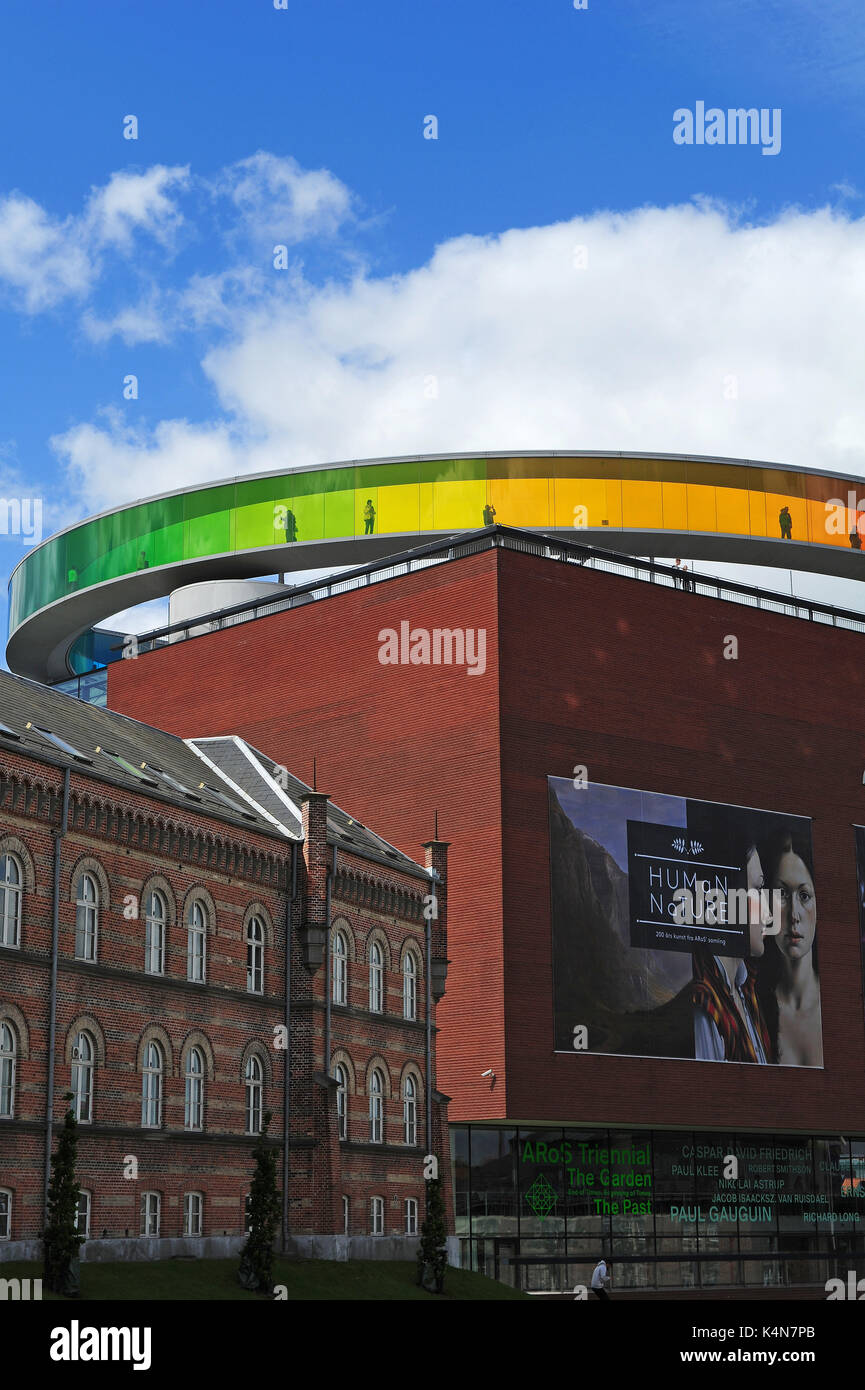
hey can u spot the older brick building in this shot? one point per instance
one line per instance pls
(190, 937)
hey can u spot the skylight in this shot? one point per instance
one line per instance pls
(60, 743)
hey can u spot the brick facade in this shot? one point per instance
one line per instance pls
(132, 845)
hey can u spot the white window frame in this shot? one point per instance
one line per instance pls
(346, 1215)
(254, 1083)
(6, 1213)
(193, 1090)
(8, 1069)
(154, 934)
(339, 969)
(86, 917)
(193, 1213)
(341, 1074)
(85, 1197)
(376, 1107)
(152, 1078)
(255, 956)
(377, 1216)
(376, 978)
(409, 1110)
(196, 942)
(411, 1216)
(151, 1213)
(12, 894)
(409, 987)
(82, 1076)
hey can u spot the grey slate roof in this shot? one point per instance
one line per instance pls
(239, 785)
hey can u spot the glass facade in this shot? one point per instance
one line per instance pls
(536, 1208)
(437, 495)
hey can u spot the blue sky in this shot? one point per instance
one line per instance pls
(412, 257)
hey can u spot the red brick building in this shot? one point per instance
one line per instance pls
(149, 887)
(584, 667)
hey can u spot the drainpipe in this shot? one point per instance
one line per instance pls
(52, 996)
(428, 1030)
(327, 989)
(286, 1096)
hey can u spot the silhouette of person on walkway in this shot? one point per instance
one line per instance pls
(290, 526)
(369, 517)
(786, 522)
(489, 514)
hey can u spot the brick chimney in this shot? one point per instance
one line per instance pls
(436, 858)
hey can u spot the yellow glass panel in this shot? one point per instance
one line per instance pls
(775, 502)
(571, 493)
(459, 505)
(642, 506)
(757, 511)
(674, 497)
(426, 519)
(519, 501)
(612, 505)
(732, 514)
(701, 508)
(398, 508)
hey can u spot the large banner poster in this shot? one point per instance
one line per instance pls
(683, 928)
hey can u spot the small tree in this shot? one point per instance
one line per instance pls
(432, 1254)
(256, 1258)
(60, 1237)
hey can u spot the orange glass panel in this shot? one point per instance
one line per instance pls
(675, 506)
(572, 493)
(732, 516)
(701, 508)
(612, 504)
(519, 501)
(798, 526)
(757, 510)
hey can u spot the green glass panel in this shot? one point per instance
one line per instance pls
(208, 522)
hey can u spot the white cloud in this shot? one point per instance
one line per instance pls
(279, 201)
(132, 202)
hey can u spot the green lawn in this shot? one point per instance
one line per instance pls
(373, 1280)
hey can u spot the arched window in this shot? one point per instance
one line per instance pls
(5, 1213)
(409, 986)
(151, 1087)
(376, 978)
(411, 1216)
(10, 900)
(193, 1212)
(254, 1094)
(151, 1208)
(82, 1078)
(86, 917)
(409, 1110)
(82, 1212)
(339, 992)
(255, 956)
(193, 1109)
(8, 1056)
(377, 1216)
(341, 1101)
(196, 941)
(154, 949)
(376, 1107)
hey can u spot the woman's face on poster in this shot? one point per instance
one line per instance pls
(798, 907)
(759, 916)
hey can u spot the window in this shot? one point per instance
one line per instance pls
(193, 1210)
(254, 1094)
(341, 1101)
(411, 1216)
(151, 1087)
(86, 917)
(193, 1108)
(196, 942)
(5, 1213)
(82, 1078)
(376, 978)
(10, 900)
(409, 986)
(376, 1107)
(409, 1110)
(339, 992)
(378, 1216)
(346, 1215)
(154, 950)
(255, 956)
(82, 1212)
(7, 1070)
(151, 1204)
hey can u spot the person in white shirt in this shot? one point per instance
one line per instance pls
(601, 1278)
